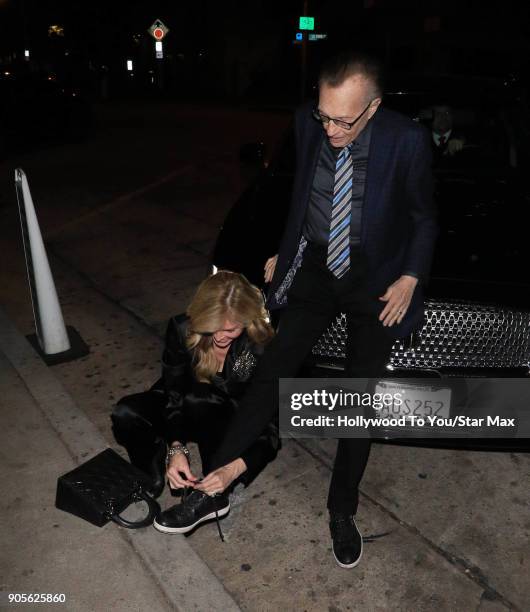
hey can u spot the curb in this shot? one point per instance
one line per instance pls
(185, 579)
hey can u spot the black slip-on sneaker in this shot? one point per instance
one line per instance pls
(347, 541)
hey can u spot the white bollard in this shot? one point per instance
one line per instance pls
(49, 323)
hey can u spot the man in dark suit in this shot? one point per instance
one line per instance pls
(359, 239)
(444, 141)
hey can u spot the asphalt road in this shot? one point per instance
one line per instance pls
(129, 218)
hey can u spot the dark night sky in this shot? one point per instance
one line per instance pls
(256, 36)
(194, 22)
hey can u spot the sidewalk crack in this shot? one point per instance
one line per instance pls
(471, 571)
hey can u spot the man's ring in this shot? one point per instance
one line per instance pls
(400, 311)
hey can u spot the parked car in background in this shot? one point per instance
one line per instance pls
(477, 312)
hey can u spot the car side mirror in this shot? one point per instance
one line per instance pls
(253, 153)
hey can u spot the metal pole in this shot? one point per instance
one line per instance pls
(303, 75)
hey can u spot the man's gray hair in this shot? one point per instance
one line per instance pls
(341, 66)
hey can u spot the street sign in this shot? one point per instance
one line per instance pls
(307, 23)
(299, 36)
(158, 30)
(317, 36)
(159, 49)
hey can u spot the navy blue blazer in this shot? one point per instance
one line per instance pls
(398, 223)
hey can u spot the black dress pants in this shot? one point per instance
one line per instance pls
(314, 300)
(139, 425)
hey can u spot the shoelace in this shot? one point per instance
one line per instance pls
(217, 517)
(375, 536)
(189, 490)
(344, 535)
(341, 529)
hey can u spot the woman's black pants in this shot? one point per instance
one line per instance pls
(138, 425)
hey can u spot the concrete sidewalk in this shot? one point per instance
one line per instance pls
(277, 551)
(44, 434)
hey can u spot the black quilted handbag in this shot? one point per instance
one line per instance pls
(100, 489)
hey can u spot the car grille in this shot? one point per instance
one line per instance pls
(455, 335)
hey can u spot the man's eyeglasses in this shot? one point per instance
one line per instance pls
(345, 125)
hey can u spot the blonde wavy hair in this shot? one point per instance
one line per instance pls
(222, 296)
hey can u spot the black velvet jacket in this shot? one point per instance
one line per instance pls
(184, 392)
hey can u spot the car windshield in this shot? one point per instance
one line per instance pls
(465, 136)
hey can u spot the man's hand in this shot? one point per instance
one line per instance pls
(270, 266)
(397, 298)
(179, 463)
(218, 480)
(454, 145)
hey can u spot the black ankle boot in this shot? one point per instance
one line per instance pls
(158, 468)
(152, 461)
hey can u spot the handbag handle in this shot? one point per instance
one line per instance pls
(154, 509)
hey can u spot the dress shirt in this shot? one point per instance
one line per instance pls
(318, 217)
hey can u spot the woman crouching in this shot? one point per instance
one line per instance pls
(209, 357)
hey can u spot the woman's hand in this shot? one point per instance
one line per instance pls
(218, 480)
(179, 463)
(270, 266)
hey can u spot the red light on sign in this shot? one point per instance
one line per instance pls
(158, 30)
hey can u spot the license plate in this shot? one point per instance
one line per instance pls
(414, 400)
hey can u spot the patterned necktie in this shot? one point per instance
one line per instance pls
(338, 260)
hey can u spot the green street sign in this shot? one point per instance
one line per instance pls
(307, 23)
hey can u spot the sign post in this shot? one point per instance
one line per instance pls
(305, 23)
(158, 31)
